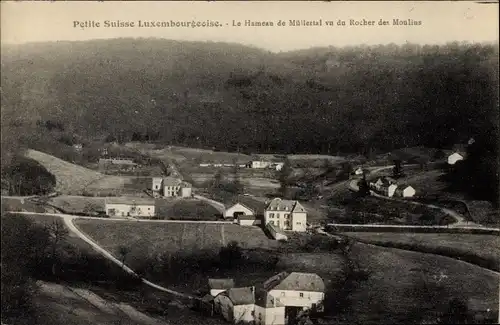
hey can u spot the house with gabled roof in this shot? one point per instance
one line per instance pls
(236, 304)
(297, 289)
(129, 207)
(267, 304)
(171, 187)
(245, 210)
(405, 190)
(286, 215)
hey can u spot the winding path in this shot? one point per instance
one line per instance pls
(68, 221)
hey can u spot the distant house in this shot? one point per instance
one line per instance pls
(245, 211)
(388, 190)
(217, 286)
(277, 166)
(455, 157)
(129, 207)
(186, 189)
(118, 161)
(405, 191)
(382, 182)
(157, 186)
(286, 215)
(259, 164)
(205, 165)
(171, 186)
(271, 302)
(358, 171)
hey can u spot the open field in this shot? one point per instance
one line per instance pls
(395, 290)
(154, 237)
(185, 209)
(484, 249)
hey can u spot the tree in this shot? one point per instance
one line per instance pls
(58, 232)
(123, 252)
(284, 177)
(230, 255)
(364, 188)
(397, 171)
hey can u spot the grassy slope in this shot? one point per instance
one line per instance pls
(71, 178)
(486, 247)
(388, 295)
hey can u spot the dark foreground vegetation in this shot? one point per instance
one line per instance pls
(33, 251)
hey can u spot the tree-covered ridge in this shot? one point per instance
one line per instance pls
(354, 99)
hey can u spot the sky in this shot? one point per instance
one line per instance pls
(441, 22)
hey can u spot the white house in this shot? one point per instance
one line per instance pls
(217, 286)
(245, 211)
(358, 171)
(236, 304)
(157, 185)
(381, 182)
(405, 191)
(171, 187)
(278, 166)
(260, 164)
(268, 304)
(296, 289)
(389, 190)
(129, 207)
(286, 215)
(454, 158)
(268, 310)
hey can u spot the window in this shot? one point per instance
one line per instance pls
(301, 295)
(271, 215)
(298, 223)
(287, 215)
(253, 313)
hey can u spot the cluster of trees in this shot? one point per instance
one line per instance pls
(355, 100)
(24, 176)
(33, 251)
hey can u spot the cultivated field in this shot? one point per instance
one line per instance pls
(485, 247)
(171, 237)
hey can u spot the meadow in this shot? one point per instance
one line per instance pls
(481, 249)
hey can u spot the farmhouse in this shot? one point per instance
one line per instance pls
(270, 303)
(381, 182)
(117, 161)
(245, 211)
(405, 191)
(129, 207)
(303, 290)
(236, 304)
(259, 164)
(286, 215)
(455, 157)
(217, 286)
(171, 187)
(388, 190)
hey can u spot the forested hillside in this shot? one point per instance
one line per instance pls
(228, 96)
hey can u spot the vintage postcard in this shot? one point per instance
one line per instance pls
(262, 163)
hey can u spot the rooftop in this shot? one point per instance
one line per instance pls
(297, 281)
(241, 296)
(263, 299)
(256, 206)
(278, 204)
(171, 181)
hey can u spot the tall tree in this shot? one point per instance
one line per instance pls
(284, 177)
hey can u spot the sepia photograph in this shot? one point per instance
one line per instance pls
(250, 163)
